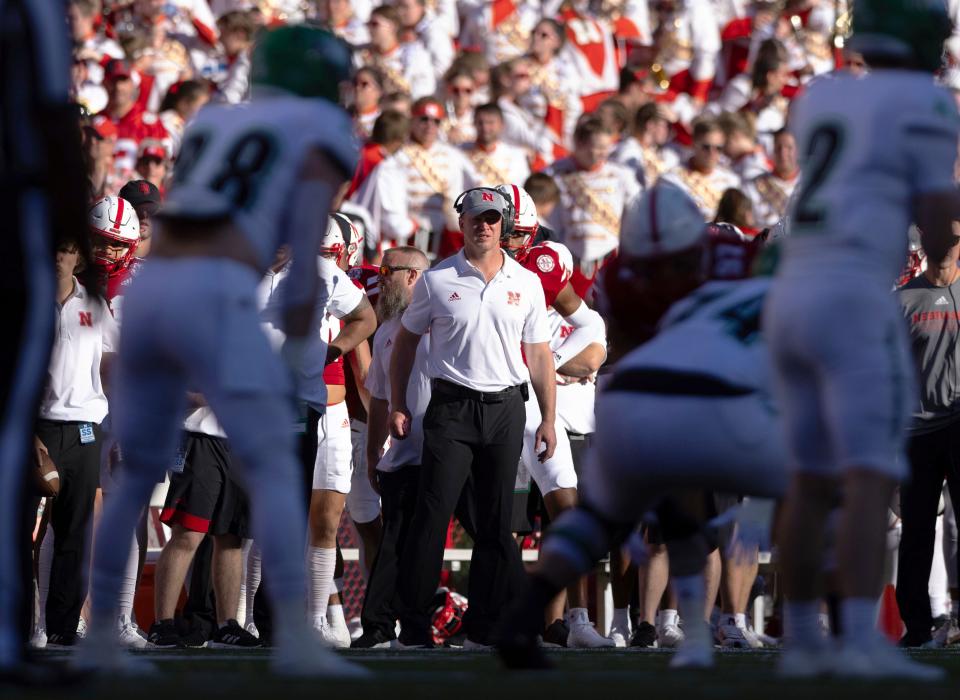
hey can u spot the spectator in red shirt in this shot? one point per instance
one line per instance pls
(126, 108)
(388, 135)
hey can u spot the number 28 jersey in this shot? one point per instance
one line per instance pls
(243, 162)
(867, 146)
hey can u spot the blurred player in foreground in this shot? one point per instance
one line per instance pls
(707, 368)
(248, 180)
(877, 153)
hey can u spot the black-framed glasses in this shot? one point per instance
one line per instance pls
(390, 269)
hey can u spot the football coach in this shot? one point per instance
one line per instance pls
(485, 314)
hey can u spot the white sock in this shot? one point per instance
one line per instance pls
(741, 620)
(335, 616)
(44, 564)
(321, 563)
(241, 615)
(621, 618)
(802, 622)
(128, 583)
(859, 616)
(252, 583)
(669, 617)
(578, 616)
(691, 592)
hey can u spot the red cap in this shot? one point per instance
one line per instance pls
(104, 127)
(152, 149)
(116, 69)
(434, 110)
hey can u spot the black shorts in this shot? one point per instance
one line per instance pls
(203, 497)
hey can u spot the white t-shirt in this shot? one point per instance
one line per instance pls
(408, 451)
(85, 331)
(338, 296)
(477, 327)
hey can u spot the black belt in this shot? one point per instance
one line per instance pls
(670, 382)
(446, 388)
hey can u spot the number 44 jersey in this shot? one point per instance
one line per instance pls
(867, 146)
(243, 162)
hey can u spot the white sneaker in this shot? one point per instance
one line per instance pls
(670, 636)
(328, 636)
(619, 636)
(38, 640)
(102, 654)
(753, 639)
(729, 636)
(799, 662)
(694, 653)
(583, 635)
(128, 635)
(356, 629)
(340, 634)
(880, 659)
(948, 633)
(252, 628)
(304, 654)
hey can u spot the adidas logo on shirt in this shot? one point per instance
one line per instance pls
(456, 297)
(941, 300)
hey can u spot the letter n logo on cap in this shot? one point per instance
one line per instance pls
(486, 196)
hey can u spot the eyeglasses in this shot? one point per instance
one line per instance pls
(488, 217)
(425, 118)
(386, 270)
(710, 147)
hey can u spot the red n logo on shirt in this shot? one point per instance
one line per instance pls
(86, 318)
(513, 298)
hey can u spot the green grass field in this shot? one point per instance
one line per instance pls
(459, 675)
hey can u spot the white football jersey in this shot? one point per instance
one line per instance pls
(243, 161)
(867, 147)
(713, 331)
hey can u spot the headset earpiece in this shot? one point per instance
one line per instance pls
(507, 215)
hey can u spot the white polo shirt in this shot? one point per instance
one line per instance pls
(338, 296)
(408, 451)
(477, 327)
(85, 331)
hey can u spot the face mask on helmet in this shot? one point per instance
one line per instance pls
(115, 232)
(353, 239)
(526, 223)
(333, 245)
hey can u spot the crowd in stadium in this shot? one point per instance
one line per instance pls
(567, 110)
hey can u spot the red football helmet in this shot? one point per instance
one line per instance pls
(447, 618)
(113, 222)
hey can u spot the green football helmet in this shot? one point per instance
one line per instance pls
(912, 30)
(302, 60)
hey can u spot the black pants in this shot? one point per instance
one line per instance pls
(933, 457)
(463, 438)
(398, 501)
(71, 519)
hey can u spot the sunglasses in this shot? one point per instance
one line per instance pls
(386, 270)
(710, 147)
(488, 217)
(434, 120)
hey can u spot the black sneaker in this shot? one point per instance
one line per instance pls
(62, 639)
(645, 636)
(556, 634)
(376, 639)
(163, 635)
(194, 639)
(233, 636)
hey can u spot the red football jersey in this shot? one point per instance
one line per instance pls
(553, 264)
(367, 278)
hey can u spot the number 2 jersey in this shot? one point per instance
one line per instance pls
(868, 146)
(712, 332)
(243, 162)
